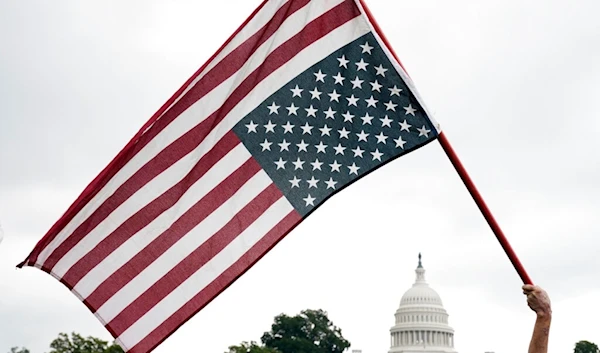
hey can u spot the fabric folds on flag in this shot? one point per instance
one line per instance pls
(302, 101)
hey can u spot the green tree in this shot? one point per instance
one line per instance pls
(309, 332)
(586, 347)
(251, 347)
(19, 350)
(78, 344)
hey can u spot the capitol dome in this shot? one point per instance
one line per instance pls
(421, 320)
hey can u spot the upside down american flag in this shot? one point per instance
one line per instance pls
(302, 100)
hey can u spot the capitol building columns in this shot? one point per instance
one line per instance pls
(421, 320)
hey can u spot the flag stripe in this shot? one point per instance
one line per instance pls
(217, 173)
(207, 274)
(107, 296)
(124, 211)
(100, 181)
(268, 9)
(195, 260)
(218, 285)
(185, 144)
(146, 214)
(226, 68)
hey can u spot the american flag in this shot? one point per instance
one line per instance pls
(302, 101)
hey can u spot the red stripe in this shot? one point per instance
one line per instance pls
(149, 212)
(224, 70)
(176, 231)
(200, 300)
(187, 142)
(193, 262)
(122, 158)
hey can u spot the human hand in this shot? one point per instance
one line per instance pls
(538, 300)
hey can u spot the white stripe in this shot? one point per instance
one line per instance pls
(217, 173)
(206, 274)
(200, 111)
(259, 21)
(140, 199)
(184, 246)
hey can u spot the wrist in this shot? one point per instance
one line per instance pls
(544, 315)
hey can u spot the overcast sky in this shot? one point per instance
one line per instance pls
(514, 84)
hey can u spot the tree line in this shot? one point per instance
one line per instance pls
(311, 331)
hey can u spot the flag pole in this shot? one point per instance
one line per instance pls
(462, 172)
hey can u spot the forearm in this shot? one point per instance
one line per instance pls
(541, 330)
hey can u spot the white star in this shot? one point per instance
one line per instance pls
(311, 111)
(325, 130)
(280, 163)
(352, 101)
(400, 142)
(292, 109)
(335, 166)
(339, 79)
(381, 138)
(284, 146)
(343, 61)
(310, 201)
(362, 136)
(410, 110)
(423, 131)
(395, 91)
(353, 169)
(375, 86)
(386, 121)
(344, 133)
(302, 146)
(357, 83)
(358, 152)
(381, 70)
(348, 117)
(316, 164)
(251, 127)
(315, 94)
(320, 76)
(334, 96)
(367, 119)
(266, 145)
(296, 92)
(390, 106)
(329, 113)
(273, 109)
(295, 182)
(339, 149)
(377, 155)
(312, 183)
(306, 129)
(298, 164)
(331, 183)
(270, 127)
(321, 147)
(361, 65)
(288, 128)
(366, 48)
(371, 102)
(405, 126)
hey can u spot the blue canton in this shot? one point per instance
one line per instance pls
(334, 123)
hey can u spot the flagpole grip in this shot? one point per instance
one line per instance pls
(487, 214)
(462, 172)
